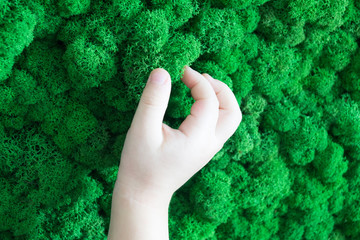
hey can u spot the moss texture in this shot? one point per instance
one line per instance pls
(72, 73)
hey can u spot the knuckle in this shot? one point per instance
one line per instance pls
(222, 90)
(149, 101)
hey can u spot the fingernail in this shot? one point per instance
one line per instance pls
(158, 77)
(190, 68)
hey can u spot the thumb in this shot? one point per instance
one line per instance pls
(154, 100)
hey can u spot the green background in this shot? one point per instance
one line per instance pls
(72, 73)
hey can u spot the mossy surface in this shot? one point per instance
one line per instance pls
(72, 73)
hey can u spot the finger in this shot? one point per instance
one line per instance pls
(205, 110)
(230, 114)
(153, 103)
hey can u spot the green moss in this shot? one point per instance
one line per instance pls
(88, 64)
(16, 33)
(218, 29)
(72, 73)
(69, 8)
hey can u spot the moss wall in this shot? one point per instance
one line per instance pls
(72, 73)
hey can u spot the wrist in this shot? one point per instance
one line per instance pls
(138, 213)
(147, 196)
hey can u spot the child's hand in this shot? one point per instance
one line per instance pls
(159, 159)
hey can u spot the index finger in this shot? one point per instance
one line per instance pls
(205, 110)
(230, 114)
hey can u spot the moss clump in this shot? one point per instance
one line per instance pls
(71, 76)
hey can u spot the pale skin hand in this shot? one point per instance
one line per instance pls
(157, 160)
